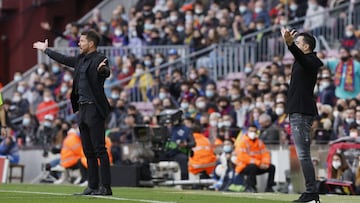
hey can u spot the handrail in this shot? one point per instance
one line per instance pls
(276, 27)
(192, 55)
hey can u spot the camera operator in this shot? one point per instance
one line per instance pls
(178, 148)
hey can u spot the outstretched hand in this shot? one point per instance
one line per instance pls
(41, 45)
(288, 36)
(102, 65)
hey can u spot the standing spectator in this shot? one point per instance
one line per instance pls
(347, 75)
(315, 18)
(270, 133)
(260, 14)
(350, 41)
(139, 82)
(19, 106)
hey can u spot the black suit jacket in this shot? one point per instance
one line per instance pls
(300, 98)
(96, 79)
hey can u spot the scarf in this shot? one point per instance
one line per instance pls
(349, 76)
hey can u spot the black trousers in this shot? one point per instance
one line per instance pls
(92, 130)
(252, 170)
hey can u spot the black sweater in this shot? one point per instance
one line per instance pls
(95, 79)
(300, 98)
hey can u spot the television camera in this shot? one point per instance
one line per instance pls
(157, 136)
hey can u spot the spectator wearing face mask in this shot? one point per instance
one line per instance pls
(28, 129)
(139, 82)
(315, 18)
(47, 106)
(45, 133)
(340, 169)
(326, 90)
(19, 106)
(350, 41)
(346, 75)
(9, 148)
(253, 158)
(270, 133)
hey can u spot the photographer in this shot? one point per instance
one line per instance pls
(178, 148)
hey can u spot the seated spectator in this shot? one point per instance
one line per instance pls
(224, 171)
(340, 169)
(139, 83)
(9, 148)
(270, 133)
(252, 158)
(47, 106)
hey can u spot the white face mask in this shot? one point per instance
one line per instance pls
(200, 104)
(40, 71)
(47, 99)
(20, 89)
(26, 121)
(162, 95)
(349, 120)
(184, 105)
(258, 9)
(227, 123)
(47, 124)
(251, 135)
(349, 33)
(213, 123)
(139, 71)
(17, 78)
(125, 70)
(173, 18)
(248, 69)
(193, 76)
(158, 61)
(118, 32)
(293, 7)
(220, 125)
(63, 89)
(353, 134)
(67, 78)
(16, 99)
(279, 111)
(227, 148)
(336, 164)
(242, 9)
(358, 122)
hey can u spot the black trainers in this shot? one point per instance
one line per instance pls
(269, 189)
(309, 198)
(103, 191)
(87, 191)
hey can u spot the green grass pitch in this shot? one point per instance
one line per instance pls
(25, 193)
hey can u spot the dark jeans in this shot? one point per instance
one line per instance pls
(300, 130)
(252, 170)
(92, 130)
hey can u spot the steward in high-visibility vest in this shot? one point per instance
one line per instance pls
(71, 151)
(203, 158)
(253, 158)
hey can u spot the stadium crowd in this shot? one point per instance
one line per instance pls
(224, 112)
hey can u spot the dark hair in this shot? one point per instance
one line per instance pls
(92, 35)
(309, 39)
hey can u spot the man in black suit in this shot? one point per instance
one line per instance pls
(88, 97)
(301, 106)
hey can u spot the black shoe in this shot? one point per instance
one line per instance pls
(251, 189)
(309, 198)
(269, 189)
(103, 191)
(87, 191)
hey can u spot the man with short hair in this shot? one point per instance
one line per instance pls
(88, 97)
(301, 105)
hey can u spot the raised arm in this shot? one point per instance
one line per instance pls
(66, 60)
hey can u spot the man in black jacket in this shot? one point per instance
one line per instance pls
(88, 97)
(301, 106)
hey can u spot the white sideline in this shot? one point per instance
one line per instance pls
(94, 196)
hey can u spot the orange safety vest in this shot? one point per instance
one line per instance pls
(108, 149)
(203, 158)
(250, 152)
(71, 150)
